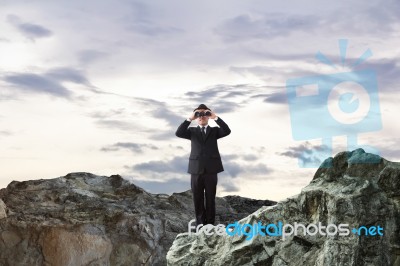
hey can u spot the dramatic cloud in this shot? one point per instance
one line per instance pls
(132, 71)
(227, 186)
(38, 84)
(142, 20)
(160, 110)
(134, 147)
(276, 97)
(309, 155)
(237, 165)
(223, 98)
(246, 27)
(234, 166)
(118, 124)
(234, 169)
(378, 18)
(50, 82)
(177, 164)
(175, 185)
(67, 74)
(29, 30)
(124, 118)
(387, 72)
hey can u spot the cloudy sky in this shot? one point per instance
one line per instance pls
(101, 86)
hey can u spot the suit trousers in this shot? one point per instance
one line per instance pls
(204, 184)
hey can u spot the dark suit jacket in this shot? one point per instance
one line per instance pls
(204, 155)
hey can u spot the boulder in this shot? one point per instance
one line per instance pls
(356, 189)
(86, 219)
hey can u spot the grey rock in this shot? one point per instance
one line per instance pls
(3, 213)
(359, 189)
(86, 219)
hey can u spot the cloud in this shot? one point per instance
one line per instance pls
(38, 84)
(231, 156)
(227, 185)
(307, 154)
(29, 30)
(174, 185)
(275, 97)
(89, 56)
(175, 147)
(67, 74)
(390, 153)
(232, 169)
(124, 118)
(166, 187)
(117, 124)
(218, 91)
(160, 110)
(134, 147)
(6, 96)
(246, 27)
(49, 82)
(236, 165)
(249, 157)
(142, 20)
(378, 18)
(163, 134)
(177, 164)
(386, 71)
(387, 147)
(151, 29)
(221, 97)
(5, 133)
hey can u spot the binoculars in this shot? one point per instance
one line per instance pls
(198, 114)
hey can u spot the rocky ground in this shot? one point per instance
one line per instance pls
(85, 219)
(354, 188)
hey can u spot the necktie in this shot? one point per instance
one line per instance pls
(203, 130)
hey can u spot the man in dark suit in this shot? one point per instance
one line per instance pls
(204, 161)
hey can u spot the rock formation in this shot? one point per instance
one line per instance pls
(354, 188)
(85, 219)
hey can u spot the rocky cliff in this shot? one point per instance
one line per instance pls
(355, 188)
(85, 219)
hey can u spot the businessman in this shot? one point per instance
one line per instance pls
(204, 161)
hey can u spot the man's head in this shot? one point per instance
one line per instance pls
(202, 120)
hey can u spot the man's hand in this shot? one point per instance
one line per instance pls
(192, 117)
(213, 115)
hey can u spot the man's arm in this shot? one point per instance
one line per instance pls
(223, 129)
(183, 130)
